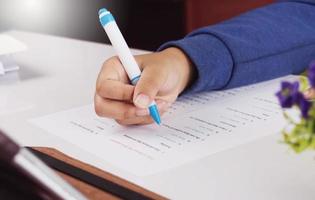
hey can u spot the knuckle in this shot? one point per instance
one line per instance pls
(128, 113)
(99, 88)
(112, 61)
(121, 122)
(98, 107)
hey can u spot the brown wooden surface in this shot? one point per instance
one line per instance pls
(88, 190)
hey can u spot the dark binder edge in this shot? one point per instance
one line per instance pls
(89, 178)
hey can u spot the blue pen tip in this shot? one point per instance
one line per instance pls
(102, 10)
(155, 114)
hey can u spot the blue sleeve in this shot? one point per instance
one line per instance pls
(262, 44)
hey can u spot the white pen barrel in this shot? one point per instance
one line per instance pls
(122, 50)
(124, 54)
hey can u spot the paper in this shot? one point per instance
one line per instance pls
(195, 127)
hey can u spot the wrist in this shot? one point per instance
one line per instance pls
(183, 65)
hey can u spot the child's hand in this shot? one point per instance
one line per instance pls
(164, 76)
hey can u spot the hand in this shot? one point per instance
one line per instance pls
(164, 76)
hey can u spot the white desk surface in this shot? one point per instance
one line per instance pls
(58, 73)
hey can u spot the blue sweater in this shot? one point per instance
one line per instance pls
(262, 44)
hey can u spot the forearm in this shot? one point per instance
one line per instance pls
(265, 43)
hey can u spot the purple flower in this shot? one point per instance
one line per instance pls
(288, 94)
(304, 105)
(311, 74)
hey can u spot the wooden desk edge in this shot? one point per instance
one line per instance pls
(98, 172)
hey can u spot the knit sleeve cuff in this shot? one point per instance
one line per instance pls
(210, 56)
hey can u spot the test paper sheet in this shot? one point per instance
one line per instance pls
(196, 126)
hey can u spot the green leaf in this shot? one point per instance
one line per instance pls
(304, 84)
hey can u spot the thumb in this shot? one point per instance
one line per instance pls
(149, 84)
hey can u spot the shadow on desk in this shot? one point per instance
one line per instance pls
(23, 74)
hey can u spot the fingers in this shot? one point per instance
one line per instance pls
(112, 82)
(139, 120)
(144, 117)
(113, 70)
(149, 84)
(125, 113)
(115, 98)
(136, 121)
(116, 90)
(113, 109)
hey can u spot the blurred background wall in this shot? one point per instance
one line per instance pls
(146, 24)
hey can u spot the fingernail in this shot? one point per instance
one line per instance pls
(142, 101)
(142, 112)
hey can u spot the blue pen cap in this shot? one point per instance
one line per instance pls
(102, 10)
(105, 16)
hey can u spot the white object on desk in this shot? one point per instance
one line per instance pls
(9, 46)
(7, 64)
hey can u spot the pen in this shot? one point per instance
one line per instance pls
(128, 61)
(12, 154)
